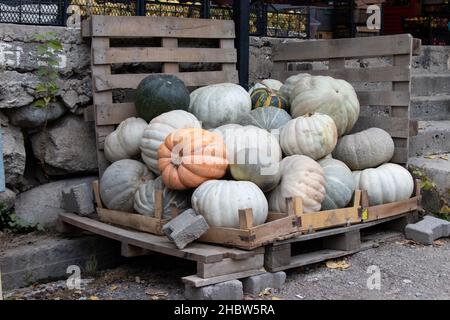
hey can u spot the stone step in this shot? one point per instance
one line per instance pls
(432, 59)
(437, 170)
(433, 138)
(430, 84)
(430, 107)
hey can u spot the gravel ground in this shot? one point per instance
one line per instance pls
(407, 271)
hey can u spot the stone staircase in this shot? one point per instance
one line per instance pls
(430, 105)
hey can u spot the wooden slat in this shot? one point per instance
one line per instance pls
(392, 209)
(171, 27)
(195, 251)
(170, 67)
(191, 79)
(382, 74)
(88, 114)
(400, 155)
(383, 98)
(343, 48)
(149, 54)
(114, 113)
(227, 266)
(228, 44)
(196, 282)
(417, 47)
(396, 127)
(86, 28)
(102, 132)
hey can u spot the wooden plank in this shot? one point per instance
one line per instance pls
(396, 127)
(196, 251)
(343, 48)
(115, 113)
(101, 98)
(86, 28)
(170, 27)
(88, 114)
(327, 219)
(228, 44)
(191, 79)
(149, 54)
(400, 155)
(170, 67)
(196, 282)
(134, 221)
(229, 266)
(246, 219)
(130, 251)
(382, 74)
(392, 209)
(383, 98)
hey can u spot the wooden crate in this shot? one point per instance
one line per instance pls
(170, 30)
(314, 221)
(131, 220)
(215, 264)
(373, 213)
(248, 236)
(395, 76)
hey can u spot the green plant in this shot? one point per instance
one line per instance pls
(9, 221)
(48, 52)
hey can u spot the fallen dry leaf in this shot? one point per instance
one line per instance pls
(341, 265)
(156, 295)
(276, 298)
(438, 243)
(93, 298)
(114, 287)
(431, 156)
(443, 157)
(266, 292)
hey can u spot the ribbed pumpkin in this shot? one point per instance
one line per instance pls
(365, 149)
(220, 104)
(286, 88)
(158, 130)
(385, 184)
(264, 97)
(339, 184)
(120, 182)
(219, 202)
(269, 118)
(145, 198)
(314, 136)
(301, 177)
(272, 84)
(123, 143)
(334, 97)
(157, 94)
(190, 157)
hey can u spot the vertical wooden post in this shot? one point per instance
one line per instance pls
(246, 219)
(241, 13)
(205, 13)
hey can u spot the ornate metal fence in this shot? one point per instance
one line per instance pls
(265, 19)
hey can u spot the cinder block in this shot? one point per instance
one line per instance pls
(428, 230)
(185, 228)
(257, 284)
(230, 290)
(79, 199)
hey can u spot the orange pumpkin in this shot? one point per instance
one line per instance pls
(189, 157)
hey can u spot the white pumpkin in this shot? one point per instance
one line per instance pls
(124, 142)
(272, 84)
(157, 131)
(339, 184)
(219, 202)
(286, 88)
(119, 183)
(301, 177)
(219, 104)
(326, 95)
(388, 183)
(314, 136)
(365, 149)
(144, 199)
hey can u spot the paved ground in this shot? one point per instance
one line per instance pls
(407, 271)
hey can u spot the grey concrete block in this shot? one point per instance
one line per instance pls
(430, 107)
(430, 84)
(428, 230)
(48, 257)
(433, 138)
(185, 228)
(257, 284)
(230, 290)
(79, 199)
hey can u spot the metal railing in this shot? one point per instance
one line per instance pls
(265, 19)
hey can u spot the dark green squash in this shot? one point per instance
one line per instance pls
(157, 94)
(265, 97)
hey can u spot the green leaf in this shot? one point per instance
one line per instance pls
(41, 50)
(39, 37)
(40, 103)
(53, 75)
(42, 71)
(55, 45)
(53, 62)
(41, 87)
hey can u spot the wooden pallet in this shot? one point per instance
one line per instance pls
(396, 76)
(215, 264)
(248, 236)
(170, 30)
(134, 221)
(328, 244)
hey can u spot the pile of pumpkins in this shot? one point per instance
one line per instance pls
(220, 149)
